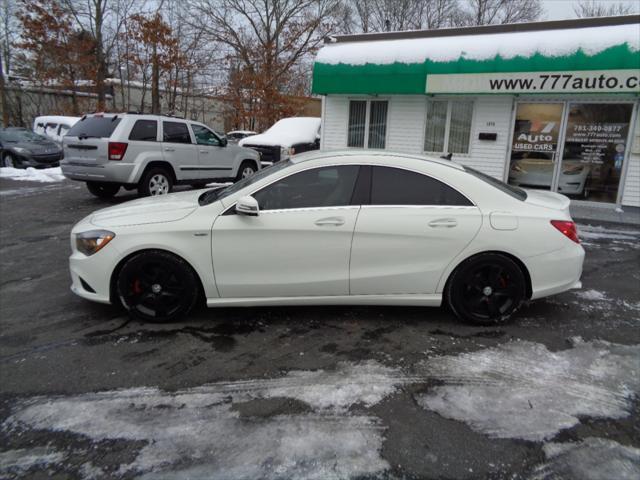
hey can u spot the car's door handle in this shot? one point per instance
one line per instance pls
(169, 149)
(331, 221)
(204, 151)
(443, 223)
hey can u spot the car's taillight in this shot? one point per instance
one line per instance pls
(117, 150)
(568, 229)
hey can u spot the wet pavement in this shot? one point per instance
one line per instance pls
(316, 392)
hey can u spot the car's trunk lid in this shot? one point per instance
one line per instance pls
(87, 143)
(543, 198)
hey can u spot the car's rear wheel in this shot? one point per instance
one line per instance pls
(486, 289)
(8, 160)
(157, 286)
(246, 169)
(103, 189)
(156, 181)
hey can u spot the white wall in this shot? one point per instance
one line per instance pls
(631, 193)
(406, 123)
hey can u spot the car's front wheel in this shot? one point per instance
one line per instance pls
(8, 160)
(156, 286)
(103, 189)
(156, 181)
(486, 289)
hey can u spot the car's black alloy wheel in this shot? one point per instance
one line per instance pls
(157, 286)
(103, 189)
(486, 289)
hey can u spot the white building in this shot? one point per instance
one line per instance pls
(550, 105)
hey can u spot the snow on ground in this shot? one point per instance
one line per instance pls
(591, 459)
(591, 295)
(15, 461)
(590, 232)
(481, 47)
(45, 175)
(197, 433)
(522, 390)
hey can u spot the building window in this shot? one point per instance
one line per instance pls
(367, 123)
(448, 128)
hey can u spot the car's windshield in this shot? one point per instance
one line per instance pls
(515, 192)
(20, 136)
(211, 196)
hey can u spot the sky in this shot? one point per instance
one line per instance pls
(563, 9)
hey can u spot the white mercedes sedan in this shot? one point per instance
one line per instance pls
(358, 227)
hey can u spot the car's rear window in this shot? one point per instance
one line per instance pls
(94, 127)
(515, 192)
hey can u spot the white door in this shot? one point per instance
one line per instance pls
(179, 150)
(298, 245)
(412, 230)
(216, 160)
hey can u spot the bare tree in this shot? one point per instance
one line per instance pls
(490, 12)
(264, 41)
(8, 34)
(384, 15)
(592, 8)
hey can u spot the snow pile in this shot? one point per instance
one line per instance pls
(13, 462)
(590, 232)
(551, 43)
(45, 175)
(286, 132)
(522, 390)
(197, 432)
(593, 295)
(592, 459)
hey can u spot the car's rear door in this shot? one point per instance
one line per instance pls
(214, 158)
(179, 149)
(412, 229)
(298, 245)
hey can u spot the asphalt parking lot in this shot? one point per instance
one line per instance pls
(398, 393)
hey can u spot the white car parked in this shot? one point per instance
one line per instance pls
(341, 228)
(54, 126)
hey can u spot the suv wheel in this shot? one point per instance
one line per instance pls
(157, 181)
(246, 170)
(8, 161)
(102, 189)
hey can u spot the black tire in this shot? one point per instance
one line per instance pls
(486, 289)
(155, 181)
(9, 160)
(103, 189)
(156, 286)
(247, 168)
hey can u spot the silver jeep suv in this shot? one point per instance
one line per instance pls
(151, 153)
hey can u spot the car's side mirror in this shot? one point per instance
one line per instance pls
(248, 206)
(223, 141)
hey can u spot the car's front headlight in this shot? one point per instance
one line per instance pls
(92, 241)
(22, 151)
(573, 170)
(286, 152)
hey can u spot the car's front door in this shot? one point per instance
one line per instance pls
(298, 245)
(216, 160)
(413, 228)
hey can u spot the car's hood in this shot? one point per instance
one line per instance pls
(161, 209)
(543, 198)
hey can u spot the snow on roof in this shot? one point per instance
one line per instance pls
(243, 132)
(56, 119)
(287, 132)
(560, 42)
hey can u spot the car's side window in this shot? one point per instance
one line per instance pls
(175, 132)
(204, 136)
(394, 186)
(144, 130)
(316, 188)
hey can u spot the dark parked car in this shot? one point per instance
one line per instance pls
(21, 148)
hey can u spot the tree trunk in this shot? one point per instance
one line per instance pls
(100, 73)
(3, 94)
(155, 82)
